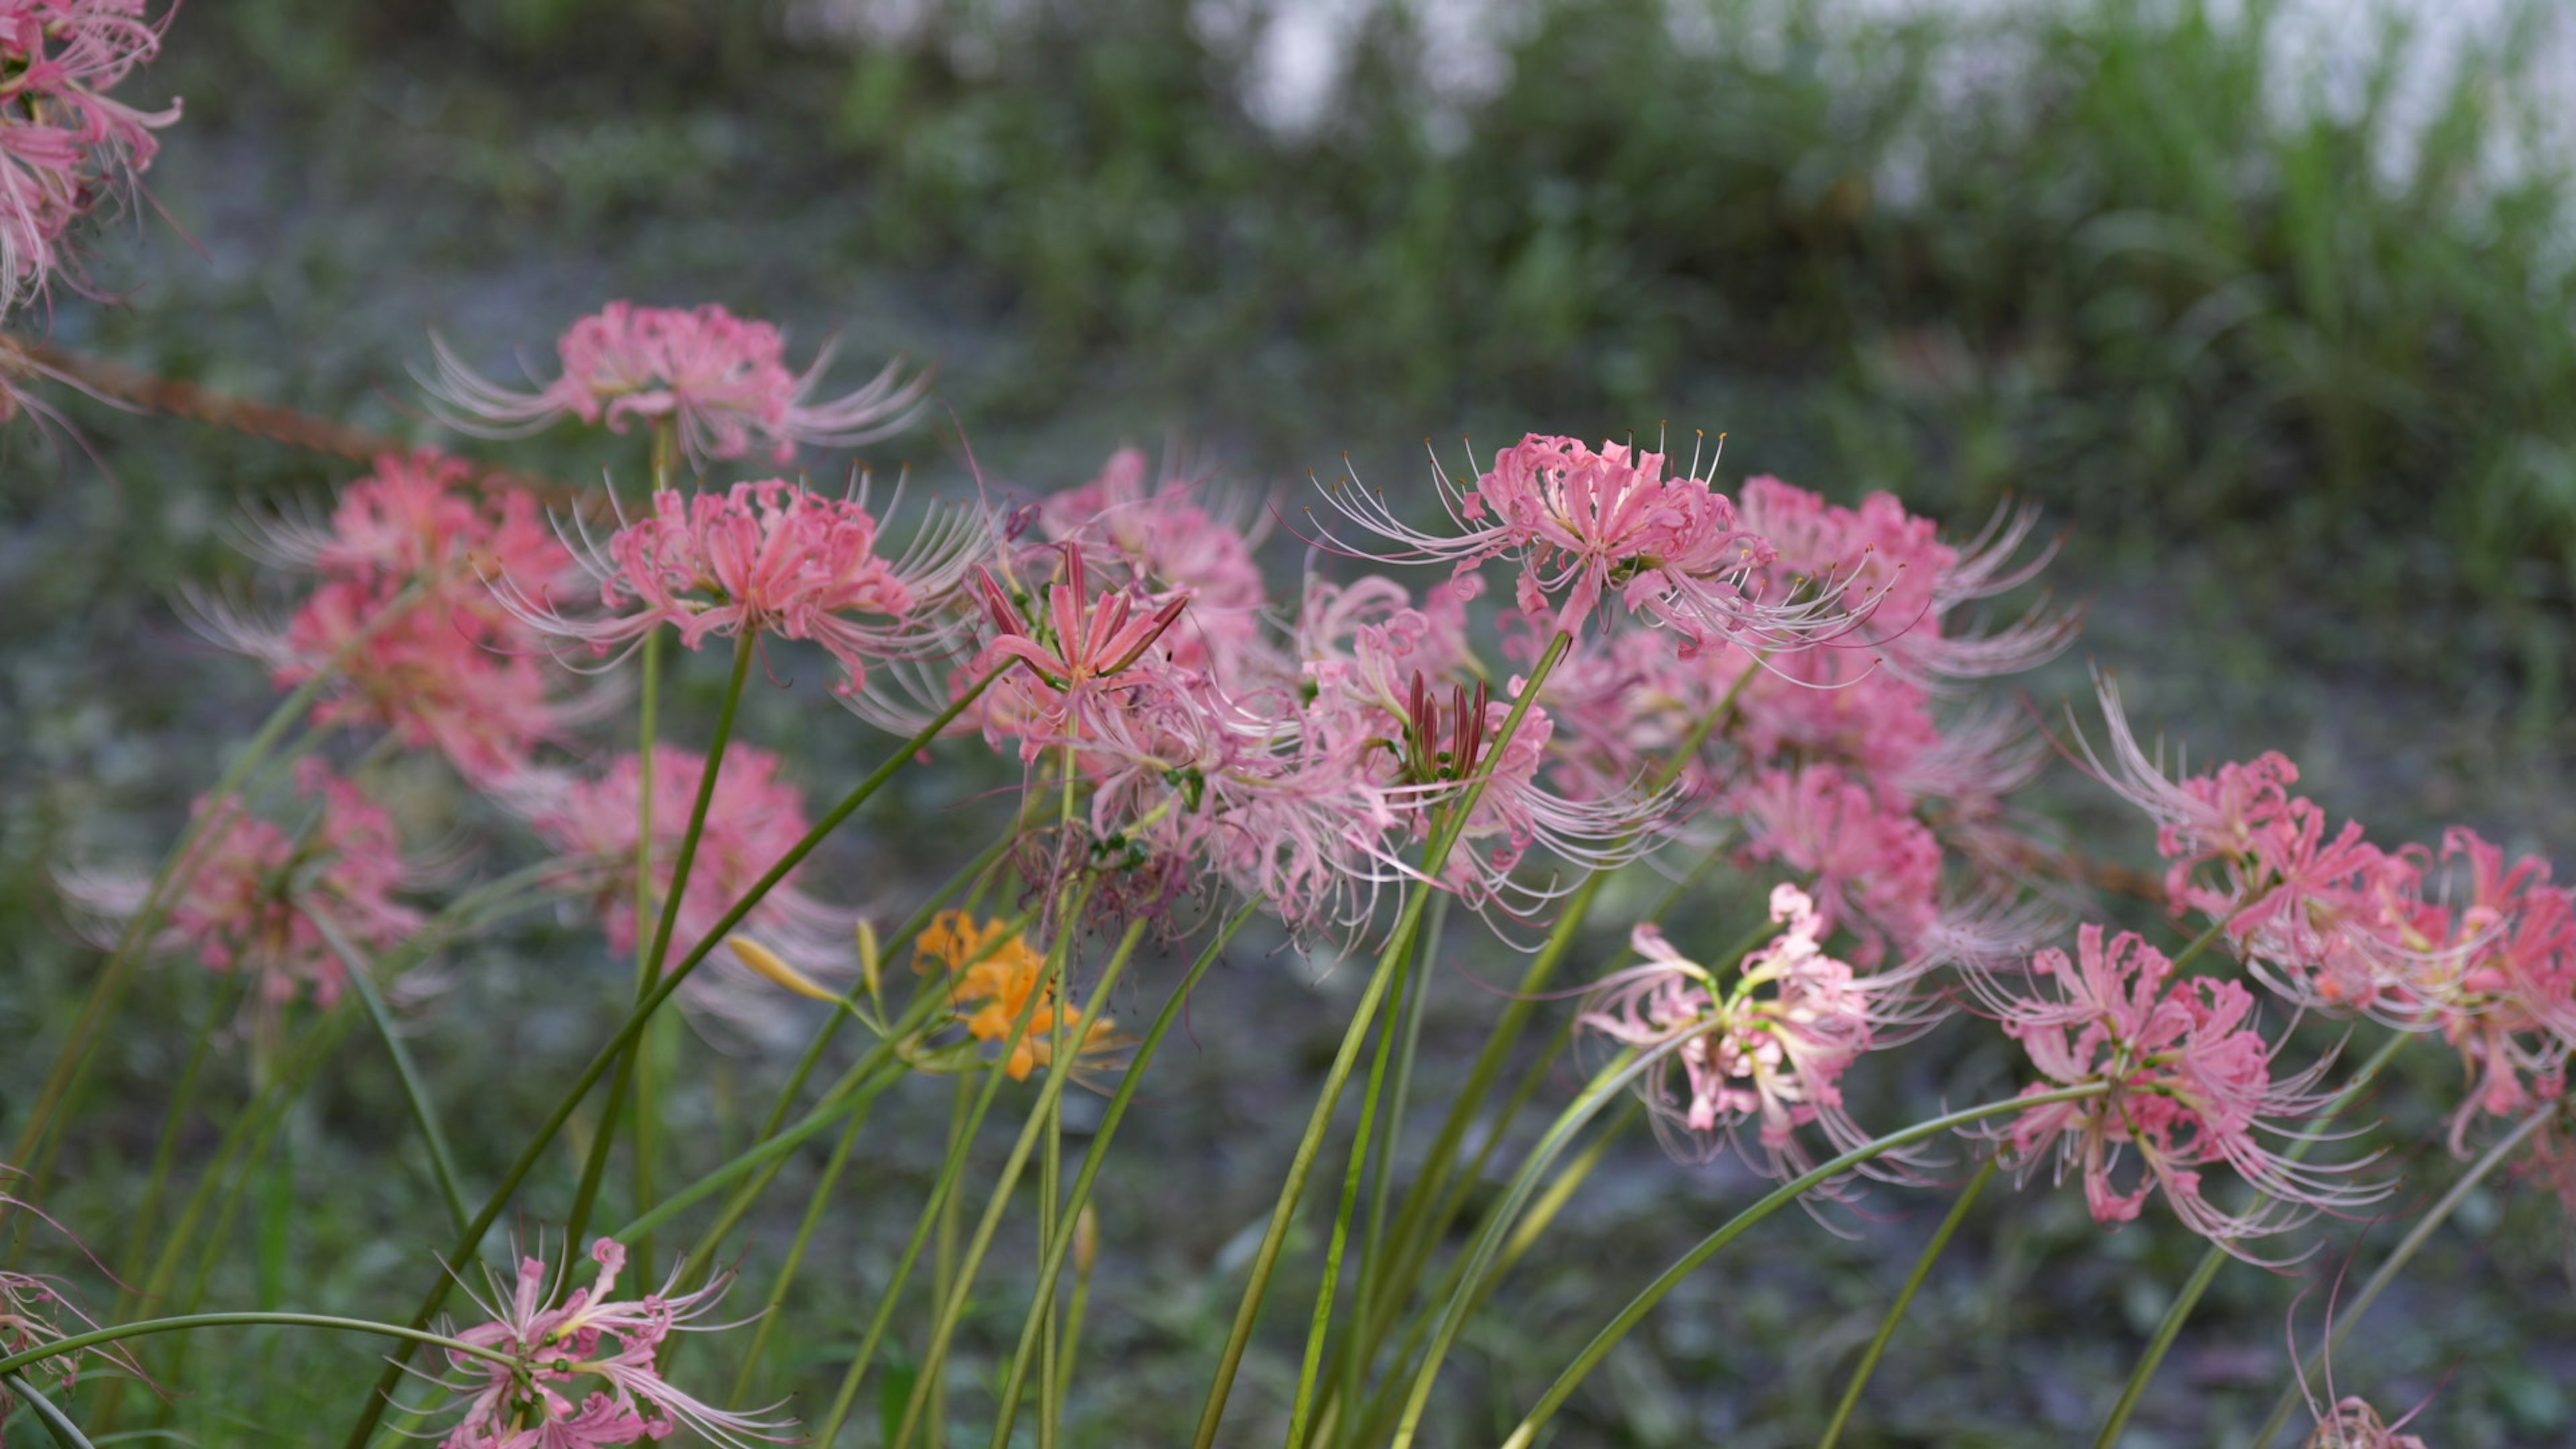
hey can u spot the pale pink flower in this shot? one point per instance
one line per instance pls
(2502, 983)
(453, 681)
(1912, 581)
(2192, 1085)
(589, 1345)
(451, 668)
(1585, 525)
(720, 381)
(1873, 871)
(252, 887)
(1174, 538)
(768, 557)
(1075, 651)
(753, 820)
(2325, 919)
(1773, 1059)
(64, 145)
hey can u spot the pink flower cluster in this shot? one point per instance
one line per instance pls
(554, 1350)
(720, 381)
(404, 622)
(1842, 757)
(1775, 1059)
(1583, 525)
(64, 144)
(251, 889)
(2458, 941)
(2191, 1085)
(770, 557)
(753, 820)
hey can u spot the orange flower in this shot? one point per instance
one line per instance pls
(998, 989)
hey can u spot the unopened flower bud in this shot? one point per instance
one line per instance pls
(768, 963)
(1086, 1240)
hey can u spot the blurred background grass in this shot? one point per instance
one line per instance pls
(2288, 347)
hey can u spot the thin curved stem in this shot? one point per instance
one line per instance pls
(2404, 1252)
(56, 1422)
(424, 1112)
(836, 1104)
(1613, 1079)
(472, 1238)
(1399, 944)
(1735, 1227)
(74, 1343)
(1904, 1300)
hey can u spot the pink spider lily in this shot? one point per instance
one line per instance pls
(1912, 582)
(558, 1348)
(252, 887)
(1876, 872)
(2503, 990)
(2192, 1086)
(1585, 525)
(1074, 651)
(2328, 920)
(1174, 539)
(768, 557)
(404, 555)
(64, 145)
(754, 819)
(720, 381)
(1776, 1060)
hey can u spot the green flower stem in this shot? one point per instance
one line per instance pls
(1399, 945)
(2216, 1257)
(836, 1103)
(635, 1074)
(424, 1112)
(1374, 1267)
(961, 1140)
(1614, 1078)
(37, 1143)
(822, 1198)
(745, 645)
(75, 1343)
(2404, 1252)
(1445, 1206)
(56, 1422)
(1904, 1300)
(1093, 1157)
(1496, 1053)
(934, 1360)
(471, 1240)
(165, 1158)
(892, 945)
(1780, 1197)
(1320, 1327)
